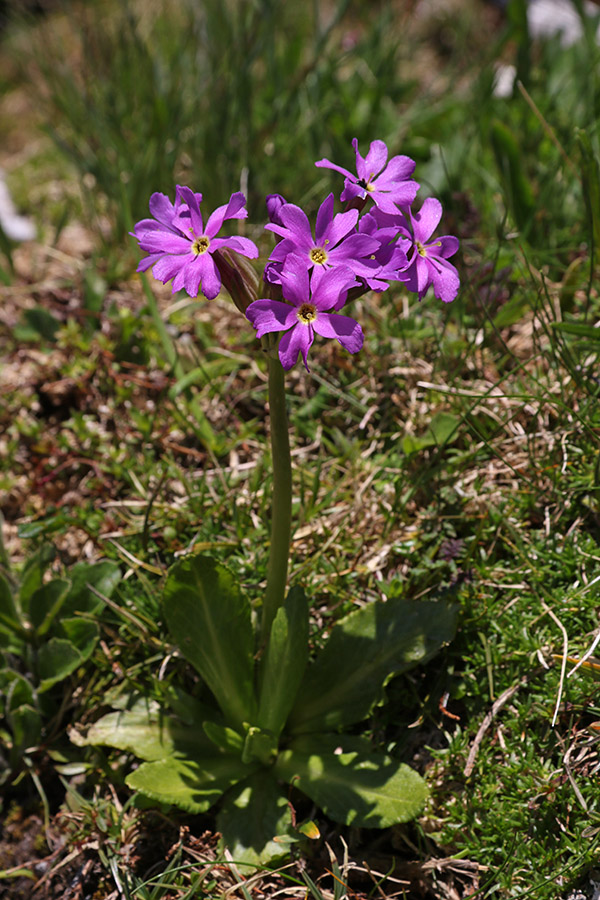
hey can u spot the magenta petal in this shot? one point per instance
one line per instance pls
(375, 159)
(342, 328)
(297, 340)
(423, 274)
(296, 221)
(352, 190)
(427, 219)
(193, 274)
(324, 218)
(232, 210)
(195, 215)
(446, 282)
(270, 315)
(445, 246)
(294, 280)
(240, 244)
(162, 209)
(399, 168)
(329, 284)
(325, 164)
(163, 242)
(169, 266)
(148, 261)
(342, 224)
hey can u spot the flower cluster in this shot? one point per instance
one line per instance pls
(309, 276)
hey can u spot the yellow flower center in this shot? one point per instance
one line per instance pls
(200, 246)
(318, 256)
(421, 249)
(307, 313)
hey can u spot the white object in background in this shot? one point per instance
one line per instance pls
(14, 226)
(548, 17)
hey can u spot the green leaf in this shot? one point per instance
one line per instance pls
(443, 429)
(81, 634)
(42, 322)
(33, 573)
(146, 732)
(209, 619)
(45, 604)
(26, 725)
(252, 814)
(9, 617)
(103, 576)
(590, 176)
(223, 737)
(284, 662)
(191, 784)
(56, 660)
(353, 786)
(364, 651)
(517, 188)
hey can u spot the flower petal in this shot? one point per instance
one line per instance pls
(325, 164)
(235, 209)
(446, 282)
(324, 218)
(240, 244)
(168, 267)
(427, 219)
(297, 340)
(294, 279)
(342, 328)
(270, 315)
(195, 215)
(329, 284)
(375, 159)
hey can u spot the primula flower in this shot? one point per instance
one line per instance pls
(428, 259)
(181, 247)
(388, 186)
(333, 245)
(309, 313)
(391, 256)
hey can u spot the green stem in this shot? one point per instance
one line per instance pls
(281, 522)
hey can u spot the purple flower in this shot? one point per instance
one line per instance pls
(181, 248)
(308, 313)
(428, 260)
(274, 202)
(388, 186)
(333, 244)
(391, 255)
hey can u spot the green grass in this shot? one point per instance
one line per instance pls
(458, 453)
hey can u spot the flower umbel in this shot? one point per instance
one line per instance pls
(181, 247)
(308, 313)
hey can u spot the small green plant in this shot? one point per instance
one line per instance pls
(276, 717)
(47, 631)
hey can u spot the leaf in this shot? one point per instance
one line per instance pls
(45, 604)
(191, 784)
(26, 726)
(81, 634)
(252, 814)
(284, 662)
(104, 576)
(364, 650)
(56, 660)
(209, 619)
(42, 322)
(357, 787)
(223, 737)
(33, 573)
(9, 617)
(517, 188)
(590, 176)
(443, 430)
(147, 733)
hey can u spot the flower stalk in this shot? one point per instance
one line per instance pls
(281, 521)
